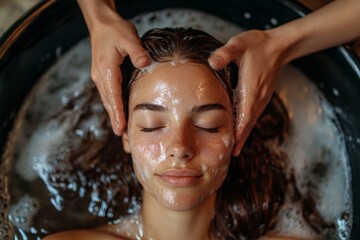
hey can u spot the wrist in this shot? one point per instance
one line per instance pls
(281, 42)
(98, 12)
(287, 40)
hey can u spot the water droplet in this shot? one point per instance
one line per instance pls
(247, 15)
(274, 21)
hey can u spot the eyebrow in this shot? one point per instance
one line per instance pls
(195, 109)
(151, 107)
(208, 107)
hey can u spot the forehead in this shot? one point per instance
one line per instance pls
(185, 81)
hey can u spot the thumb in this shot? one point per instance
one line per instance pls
(139, 57)
(224, 55)
(220, 57)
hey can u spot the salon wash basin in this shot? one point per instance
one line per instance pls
(53, 24)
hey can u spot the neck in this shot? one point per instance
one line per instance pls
(161, 223)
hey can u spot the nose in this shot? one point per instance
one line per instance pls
(181, 147)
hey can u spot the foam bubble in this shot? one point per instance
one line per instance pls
(226, 139)
(335, 92)
(22, 213)
(320, 168)
(220, 28)
(247, 15)
(35, 136)
(149, 68)
(204, 167)
(170, 197)
(274, 21)
(291, 223)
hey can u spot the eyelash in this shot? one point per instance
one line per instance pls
(209, 130)
(147, 130)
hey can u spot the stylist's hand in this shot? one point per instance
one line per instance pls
(110, 44)
(112, 39)
(258, 55)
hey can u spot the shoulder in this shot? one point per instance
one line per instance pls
(88, 234)
(276, 237)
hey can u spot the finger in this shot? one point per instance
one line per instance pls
(139, 57)
(112, 88)
(221, 57)
(225, 54)
(250, 111)
(96, 77)
(133, 47)
(104, 101)
(109, 85)
(247, 95)
(243, 127)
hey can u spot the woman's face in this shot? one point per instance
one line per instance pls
(180, 133)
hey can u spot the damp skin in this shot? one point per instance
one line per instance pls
(180, 123)
(112, 105)
(44, 102)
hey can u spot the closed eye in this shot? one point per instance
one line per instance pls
(150, 129)
(209, 130)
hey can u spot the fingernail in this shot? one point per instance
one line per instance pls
(141, 61)
(236, 152)
(116, 129)
(117, 132)
(215, 62)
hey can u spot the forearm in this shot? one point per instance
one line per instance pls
(334, 24)
(96, 11)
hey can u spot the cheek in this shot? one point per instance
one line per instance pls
(217, 175)
(216, 159)
(228, 140)
(146, 155)
(218, 151)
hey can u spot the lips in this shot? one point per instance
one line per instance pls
(180, 177)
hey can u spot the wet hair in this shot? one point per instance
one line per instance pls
(178, 45)
(96, 168)
(253, 191)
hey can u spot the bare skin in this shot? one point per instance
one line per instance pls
(180, 135)
(184, 136)
(107, 235)
(88, 234)
(259, 54)
(112, 39)
(96, 235)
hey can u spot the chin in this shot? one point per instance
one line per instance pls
(180, 201)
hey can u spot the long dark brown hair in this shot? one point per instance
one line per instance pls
(254, 189)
